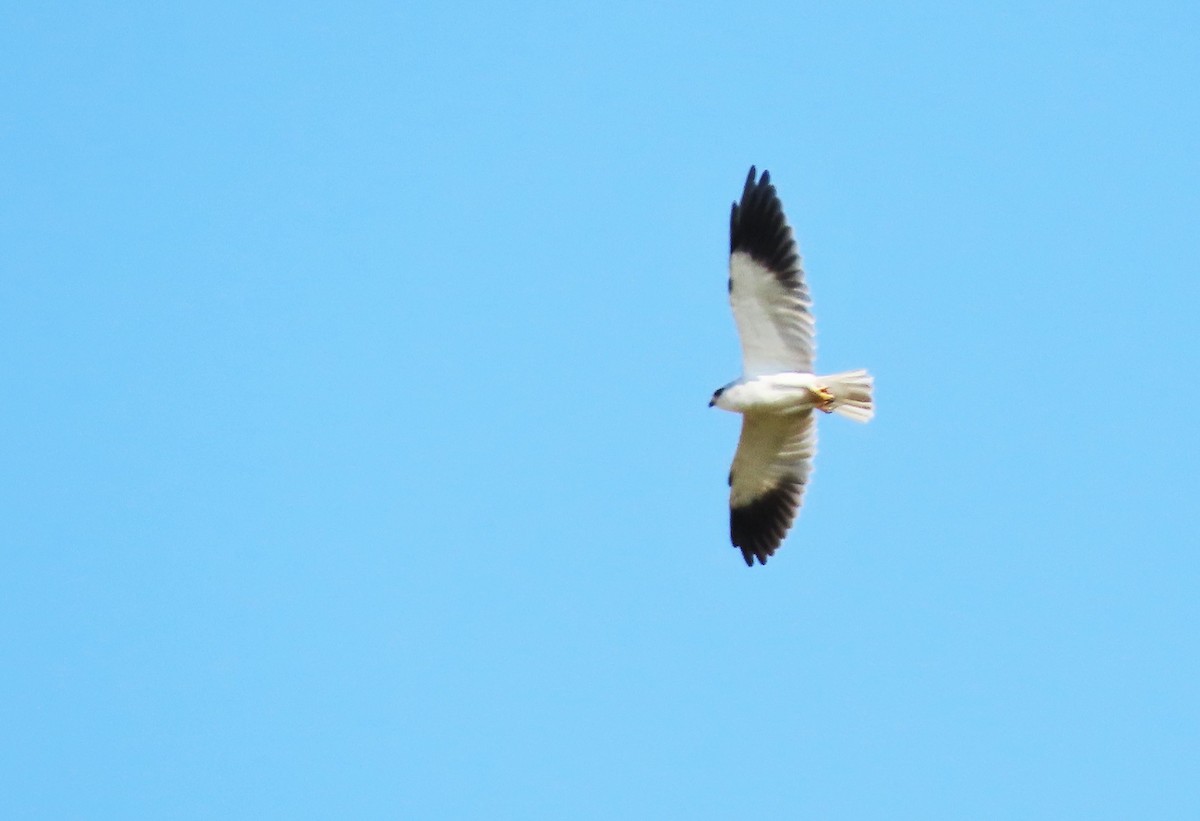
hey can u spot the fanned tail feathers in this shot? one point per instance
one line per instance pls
(853, 394)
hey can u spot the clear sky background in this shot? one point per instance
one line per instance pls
(356, 456)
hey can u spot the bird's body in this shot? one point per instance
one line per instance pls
(796, 392)
(779, 389)
(785, 392)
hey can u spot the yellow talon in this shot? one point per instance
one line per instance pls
(826, 398)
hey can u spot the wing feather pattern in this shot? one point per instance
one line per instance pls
(770, 299)
(766, 485)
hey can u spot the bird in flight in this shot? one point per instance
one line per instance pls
(778, 390)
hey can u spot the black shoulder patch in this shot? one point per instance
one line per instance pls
(758, 227)
(757, 529)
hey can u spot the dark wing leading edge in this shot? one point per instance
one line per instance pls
(766, 483)
(770, 300)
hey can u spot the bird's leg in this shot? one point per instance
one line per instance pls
(822, 393)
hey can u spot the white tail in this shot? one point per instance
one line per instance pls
(852, 394)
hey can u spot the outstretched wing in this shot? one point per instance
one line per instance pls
(770, 469)
(770, 300)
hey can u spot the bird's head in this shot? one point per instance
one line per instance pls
(716, 395)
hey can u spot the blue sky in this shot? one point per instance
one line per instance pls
(353, 402)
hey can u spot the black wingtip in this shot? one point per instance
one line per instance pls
(759, 528)
(758, 227)
(749, 556)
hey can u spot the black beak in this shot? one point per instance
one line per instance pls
(712, 402)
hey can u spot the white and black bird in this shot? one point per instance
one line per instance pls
(778, 389)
